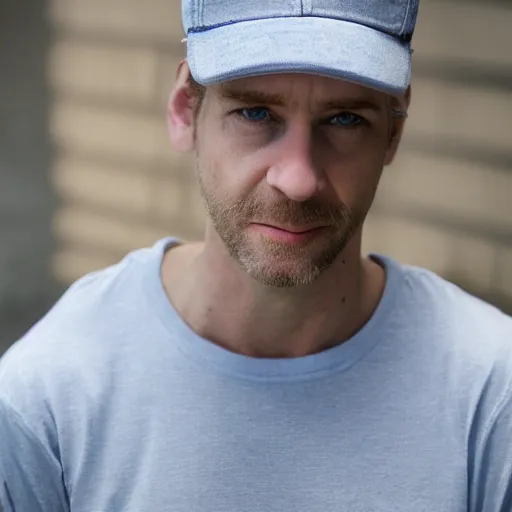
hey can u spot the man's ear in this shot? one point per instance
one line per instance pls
(181, 117)
(399, 109)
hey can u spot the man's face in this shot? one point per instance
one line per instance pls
(288, 167)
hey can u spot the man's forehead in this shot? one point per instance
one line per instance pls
(293, 89)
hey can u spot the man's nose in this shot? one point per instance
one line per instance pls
(294, 172)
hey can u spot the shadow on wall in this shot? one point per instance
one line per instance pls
(27, 201)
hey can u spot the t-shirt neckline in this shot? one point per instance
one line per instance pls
(333, 360)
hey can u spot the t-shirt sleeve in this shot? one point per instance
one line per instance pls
(31, 478)
(491, 485)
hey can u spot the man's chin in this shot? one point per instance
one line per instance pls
(283, 265)
(276, 279)
(282, 272)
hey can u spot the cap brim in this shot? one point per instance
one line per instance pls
(314, 45)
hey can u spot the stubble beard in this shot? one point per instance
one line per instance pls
(270, 262)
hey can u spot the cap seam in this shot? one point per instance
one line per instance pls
(200, 14)
(306, 7)
(189, 16)
(407, 10)
(193, 15)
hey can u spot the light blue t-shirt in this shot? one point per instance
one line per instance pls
(113, 404)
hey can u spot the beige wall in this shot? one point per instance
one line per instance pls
(445, 204)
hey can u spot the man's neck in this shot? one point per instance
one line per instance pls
(223, 304)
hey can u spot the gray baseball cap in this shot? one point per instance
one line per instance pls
(363, 41)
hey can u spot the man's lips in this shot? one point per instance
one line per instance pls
(296, 230)
(288, 234)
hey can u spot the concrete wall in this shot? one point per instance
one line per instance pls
(107, 173)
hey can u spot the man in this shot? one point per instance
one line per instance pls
(271, 368)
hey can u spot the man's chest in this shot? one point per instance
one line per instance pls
(207, 460)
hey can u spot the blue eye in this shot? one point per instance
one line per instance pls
(255, 114)
(346, 120)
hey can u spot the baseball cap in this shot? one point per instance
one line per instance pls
(363, 41)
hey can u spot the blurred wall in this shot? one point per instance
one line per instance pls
(27, 197)
(445, 204)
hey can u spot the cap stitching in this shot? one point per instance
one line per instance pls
(200, 14)
(407, 10)
(193, 15)
(306, 7)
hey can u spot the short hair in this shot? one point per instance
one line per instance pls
(198, 92)
(398, 112)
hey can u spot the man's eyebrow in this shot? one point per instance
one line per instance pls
(252, 97)
(352, 104)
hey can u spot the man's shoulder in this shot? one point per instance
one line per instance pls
(454, 340)
(456, 325)
(88, 300)
(452, 305)
(80, 332)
